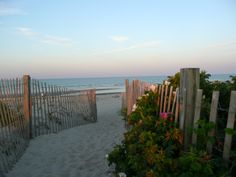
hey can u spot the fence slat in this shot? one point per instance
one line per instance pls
(15, 116)
(213, 115)
(64, 107)
(165, 98)
(159, 96)
(162, 97)
(173, 103)
(12, 121)
(35, 106)
(197, 114)
(5, 131)
(170, 98)
(230, 124)
(44, 98)
(130, 99)
(68, 109)
(182, 110)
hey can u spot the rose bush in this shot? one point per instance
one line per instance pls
(152, 147)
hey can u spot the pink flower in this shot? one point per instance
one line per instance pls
(153, 88)
(164, 115)
(134, 107)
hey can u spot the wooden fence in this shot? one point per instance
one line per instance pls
(14, 128)
(213, 119)
(167, 99)
(180, 104)
(56, 108)
(29, 108)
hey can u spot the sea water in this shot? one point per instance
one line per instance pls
(113, 84)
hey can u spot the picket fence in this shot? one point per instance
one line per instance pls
(169, 102)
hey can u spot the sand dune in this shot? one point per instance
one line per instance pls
(76, 152)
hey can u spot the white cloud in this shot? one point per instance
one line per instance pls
(57, 40)
(27, 31)
(137, 46)
(48, 39)
(119, 38)
(149, 44)
(7, 11)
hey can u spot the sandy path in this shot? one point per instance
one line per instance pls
(76, 152)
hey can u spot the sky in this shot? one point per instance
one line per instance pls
(97, 38)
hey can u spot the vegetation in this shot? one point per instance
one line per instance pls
(152, 147)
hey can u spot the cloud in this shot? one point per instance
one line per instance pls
(27, 31)
(7, 11)
(57, 40)
(48, 39)
(137, 46)
(149, 44)
(119, 38)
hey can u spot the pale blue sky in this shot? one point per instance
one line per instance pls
(69, 38)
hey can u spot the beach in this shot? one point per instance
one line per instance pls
(76, 152)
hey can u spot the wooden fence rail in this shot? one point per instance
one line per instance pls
(29, 108)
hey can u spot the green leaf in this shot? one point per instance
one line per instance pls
(196, 166)
(230, 131)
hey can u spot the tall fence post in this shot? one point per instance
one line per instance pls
(189, 80)
(27, 104)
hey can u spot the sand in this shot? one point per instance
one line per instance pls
(76, 152)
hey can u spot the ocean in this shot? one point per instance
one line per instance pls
(113, 84)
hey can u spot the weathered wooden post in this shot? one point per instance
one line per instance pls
(213, 115)
(27, 104)
(189, 80)
(230, 125)
(197, 113)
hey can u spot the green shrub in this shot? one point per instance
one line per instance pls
(152, 147)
